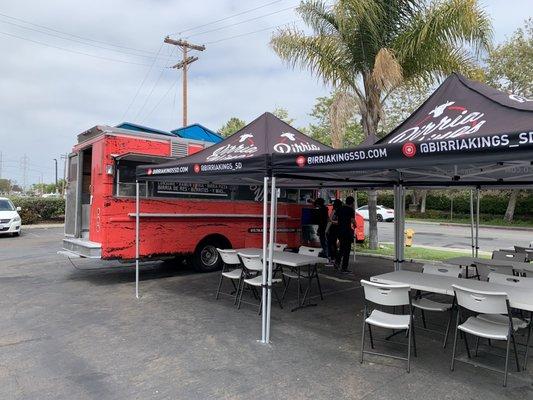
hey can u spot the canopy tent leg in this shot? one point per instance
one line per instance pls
(401, 230)
(137, 231)
(273, 216)
(472, 222)
(477, 221)
(396, 228)
(264, 282)
(354, 195)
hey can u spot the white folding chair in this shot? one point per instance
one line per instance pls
(424, 304)
(278, 246)
(483, 302)
(509, 255)
(518, 323)
(252, 269)
(298, 273)
(528, 251)
(231, 269)
(390, 296)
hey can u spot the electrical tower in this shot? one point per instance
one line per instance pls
(185, 46)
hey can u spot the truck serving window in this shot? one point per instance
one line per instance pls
(125, 187)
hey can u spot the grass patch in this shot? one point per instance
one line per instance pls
(466, 220)
(418, 253)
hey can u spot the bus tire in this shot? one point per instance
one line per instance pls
(206, 257)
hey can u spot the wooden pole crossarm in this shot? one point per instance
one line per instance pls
(184, 43)
(189, 60)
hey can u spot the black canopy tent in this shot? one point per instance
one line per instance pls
(243, 158)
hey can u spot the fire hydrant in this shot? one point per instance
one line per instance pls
(409, 235)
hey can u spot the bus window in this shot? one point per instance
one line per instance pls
(125, 180)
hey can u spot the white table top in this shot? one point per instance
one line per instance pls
(285, 257)
(518, 297)
(491, 262)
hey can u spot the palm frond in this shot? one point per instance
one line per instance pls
(318, 16)
(325, 56)
(387, 72)
(450, 23)
(342, 109)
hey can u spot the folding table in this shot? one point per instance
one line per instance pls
(293, 260)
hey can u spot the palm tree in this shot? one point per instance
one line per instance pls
(371, 47)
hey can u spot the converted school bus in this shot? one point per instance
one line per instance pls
(177, 219)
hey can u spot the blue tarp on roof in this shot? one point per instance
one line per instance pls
(197, 132)
(140, 128)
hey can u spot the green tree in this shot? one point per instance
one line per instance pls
(510, 68)
(510, 64)
(321, 128)
(233, 125)
(5, 186)
(283, 114)
(371, 47)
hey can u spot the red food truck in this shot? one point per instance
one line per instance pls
(177, 219)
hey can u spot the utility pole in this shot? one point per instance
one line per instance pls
(55, 160)
(63, 187)
(185, 46)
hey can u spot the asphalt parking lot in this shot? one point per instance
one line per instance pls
(77, 332)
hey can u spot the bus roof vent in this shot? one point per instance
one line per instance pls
(179, 149)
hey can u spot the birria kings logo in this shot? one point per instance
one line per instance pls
(445, 121)
(288, 143)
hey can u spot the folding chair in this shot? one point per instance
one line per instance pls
(528, 251)
(230, 270)
(518, 323)
(389, 296)
(484, 270)
(253, 267)
(278, 246)
(424, 304)
(298, 273)
(483, 302)
(508, 255)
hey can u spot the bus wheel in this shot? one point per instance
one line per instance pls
(206, 257)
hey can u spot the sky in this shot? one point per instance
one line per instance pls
(54, 86)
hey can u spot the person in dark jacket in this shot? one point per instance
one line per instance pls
(322, 216)
(346, 219)
(332, 231)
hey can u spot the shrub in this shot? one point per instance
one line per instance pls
(38, 209)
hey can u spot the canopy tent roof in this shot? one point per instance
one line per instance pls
(466, 133)
(242, 158)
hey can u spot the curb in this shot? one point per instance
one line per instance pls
(510, 228)
(383, 256)
(42, 226)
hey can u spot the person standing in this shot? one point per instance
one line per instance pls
(322, 216)
(346, 219)
(332, 231)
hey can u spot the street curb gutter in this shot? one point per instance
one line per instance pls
(513, 228)
(43, 226)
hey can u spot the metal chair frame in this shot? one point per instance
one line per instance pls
(226, 268)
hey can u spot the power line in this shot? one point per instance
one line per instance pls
(226, 18)
(74, 51)
(77, 41)
(76, 36)
(242, 22)
(138, 114)
(142, 83)
(159, 102)
(250, 33)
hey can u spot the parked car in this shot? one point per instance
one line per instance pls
(383, 213)
(10, 221)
